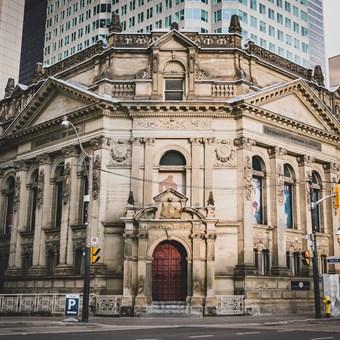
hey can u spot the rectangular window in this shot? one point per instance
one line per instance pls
(167, 21)
(272, 47)
(217, 15)
(149, 13)
(158, 24)
(287, 6)
(295, 11)
(262, 9)
(296, 27)
(131, 22)
(304, 16)
(253, 38)
(132, 5)
(253, 21)
(271, 14)
(288, 205)
(304, 31)
(179, 16)
(288, 23)
(204, 15)
(123, 10)
(173, 89)
(253, 4)
(167, 4)
(140, 17)
(263, 43)
(271, 31)
(305, 48)
(148, 28)
(279, 3)
(159, 8)
(263, 26)
(279, 18)
(279, 35)
(140, 3)
(280, 51)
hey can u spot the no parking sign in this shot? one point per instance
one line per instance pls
(72, 305)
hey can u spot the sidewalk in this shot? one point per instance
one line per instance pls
(39, 321)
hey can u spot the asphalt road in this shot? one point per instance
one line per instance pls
(153, 331)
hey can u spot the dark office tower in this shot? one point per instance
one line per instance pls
(33, 34)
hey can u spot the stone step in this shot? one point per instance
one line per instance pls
(168, 308)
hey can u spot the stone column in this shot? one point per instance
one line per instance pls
(276, 184)
(198, 281)
(305, 170)
(136, 185)
(246, 264)
(43, 215)
(129, 274)
(20, 218)
(209, 144)
(148, 170)
(332, 174)
(196, 182)
(141, 299)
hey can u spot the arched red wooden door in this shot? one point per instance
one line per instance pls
(169, 272)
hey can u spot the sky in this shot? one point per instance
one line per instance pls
(332, 27)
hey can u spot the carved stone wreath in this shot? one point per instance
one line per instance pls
(121, 151)
(225, 152)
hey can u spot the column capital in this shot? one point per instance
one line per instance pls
(70, 151)
(277, 152)
(244, 143)
(44, 159)
(196, 141)
(21, 165)
(305, 160)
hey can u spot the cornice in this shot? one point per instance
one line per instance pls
(285, 122)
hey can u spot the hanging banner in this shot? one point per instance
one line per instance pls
(331, 289)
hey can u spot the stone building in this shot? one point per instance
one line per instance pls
(203, 150)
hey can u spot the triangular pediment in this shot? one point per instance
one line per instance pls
(54, 99)
(296, 101)
(174, 41)
(170, 195)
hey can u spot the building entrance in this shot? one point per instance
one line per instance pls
(169, 272)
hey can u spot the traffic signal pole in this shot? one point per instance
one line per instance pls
(315, 255)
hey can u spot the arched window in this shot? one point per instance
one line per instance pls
(33, 200)
(59, 195)
(316, 196)
(258, 183)
(288, 195)
(172, 171)
(10, 189)
(173, 74)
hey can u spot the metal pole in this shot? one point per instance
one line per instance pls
(315, 255)
(87, 272)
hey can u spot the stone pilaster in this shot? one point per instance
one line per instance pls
(148, 159)
(246, 264)
(305, 171)
(20, 218)
(137, 154)
(43, 215)
(208, 166)
(196, 184)
(276, 184)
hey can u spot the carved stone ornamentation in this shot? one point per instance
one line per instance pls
(21, 166)
(44, 159)
(96, 177)
(249, 189)
(277, 152)
(145, 73)
(121, 152)
(66, 183)
(200, 73)
(225, 153)
(16, 200)
(172, 123)
(244, 143)
(305, 160)
(40, 188)
(155, 63)
(9, 87)
(280, 185)
(70, 151)
(99, 142)
(170, 210)
(196, 141)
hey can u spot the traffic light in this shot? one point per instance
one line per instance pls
(337, 197)
(306, 258)
(94, 258)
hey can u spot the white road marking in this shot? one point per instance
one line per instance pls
(328, 337)
(200, 336)
(247, 333)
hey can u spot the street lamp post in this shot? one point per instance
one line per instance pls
(315, 255)
(86, 292)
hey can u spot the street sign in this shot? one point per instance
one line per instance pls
(333, 259)
(300, 285)
(72, 305)
(94, 241)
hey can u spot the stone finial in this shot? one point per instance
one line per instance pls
(174, 26)
(115, 23)
(211, 200)
(318, 75)
(9, 87)
(235, 26)
(38, 73)
(131, 200)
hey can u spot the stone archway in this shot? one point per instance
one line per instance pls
(169, 272)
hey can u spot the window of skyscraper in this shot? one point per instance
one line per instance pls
(218, 16)
(253, 21)
(263, 26)
(159, 8)
(279, 18)
(179, 16)
(243, 16)
(287, 6)
(253, 4)
(271, 30)
(204, 15)
(167, 4)
(262, 9)
(271, 14)
(288, 23)
(279, 3)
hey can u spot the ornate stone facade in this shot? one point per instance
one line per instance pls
(200, 170)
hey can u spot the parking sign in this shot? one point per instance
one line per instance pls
(72, 305)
